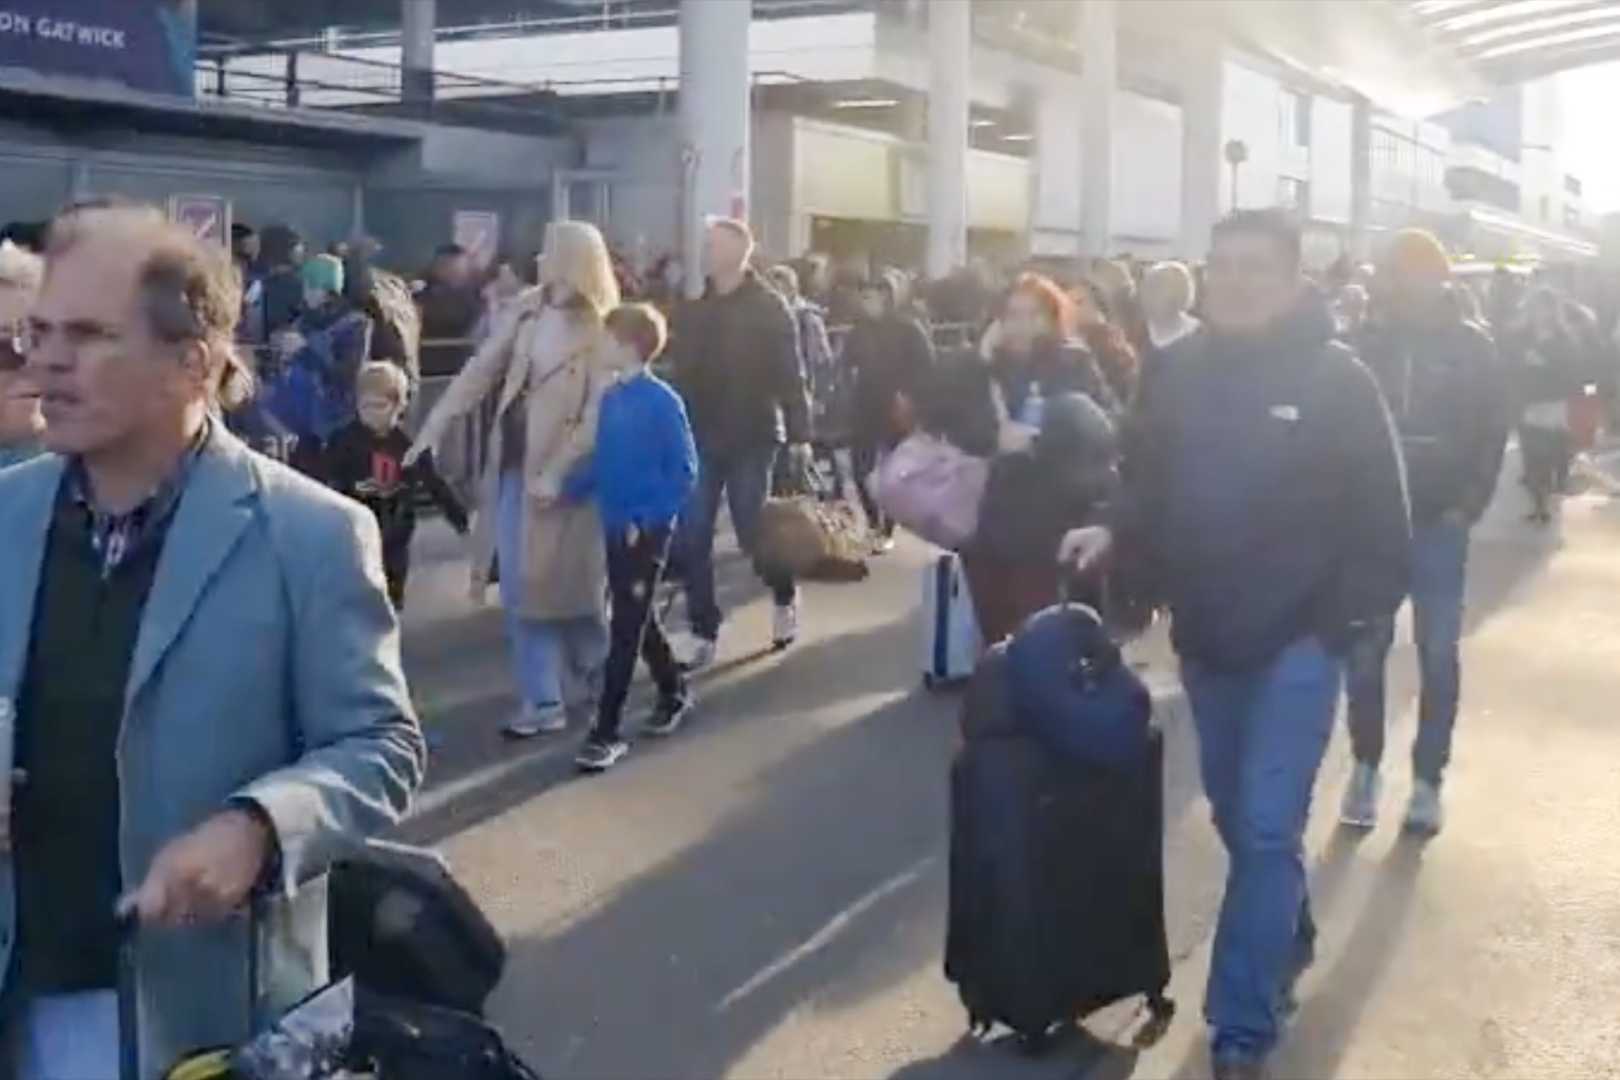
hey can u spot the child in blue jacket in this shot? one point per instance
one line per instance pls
(644, 468)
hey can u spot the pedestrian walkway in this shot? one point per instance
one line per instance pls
(763, 896)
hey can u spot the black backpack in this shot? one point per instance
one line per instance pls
(406, 929)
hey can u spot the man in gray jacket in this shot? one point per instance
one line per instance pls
(200, 684)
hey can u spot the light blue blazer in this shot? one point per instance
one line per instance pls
(267, 667)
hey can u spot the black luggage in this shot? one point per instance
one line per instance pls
(1056, 874)
(405, 928)
(406, 1040)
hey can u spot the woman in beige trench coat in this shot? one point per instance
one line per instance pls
(545, 361)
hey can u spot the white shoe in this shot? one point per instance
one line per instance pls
(534, 720)
(1360, 807)
(701, 654)
(1424, 814)
(785, 626)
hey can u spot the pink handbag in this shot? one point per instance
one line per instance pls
(932, 488)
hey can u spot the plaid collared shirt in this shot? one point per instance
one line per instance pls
(115, 537)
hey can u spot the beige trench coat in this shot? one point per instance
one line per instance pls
(557, 357)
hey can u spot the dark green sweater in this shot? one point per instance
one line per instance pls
(71, 709)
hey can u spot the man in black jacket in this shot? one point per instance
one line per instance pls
(736, 362)
(1264, 500)
(1445, 388)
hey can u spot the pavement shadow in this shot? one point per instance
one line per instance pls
(814, 675)
(1315, 1042)
(1081, 1056)
(832, 873)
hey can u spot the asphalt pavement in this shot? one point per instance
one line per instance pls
(763, 895)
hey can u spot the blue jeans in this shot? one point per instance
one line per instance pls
(1262, 735)
(543, 650)
(1439, 573)
(745, 481)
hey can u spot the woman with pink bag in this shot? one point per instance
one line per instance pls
(994, 412)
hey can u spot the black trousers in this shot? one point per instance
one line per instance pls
(634, 570)
(396, 568)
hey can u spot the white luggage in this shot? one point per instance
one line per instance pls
(950, 634)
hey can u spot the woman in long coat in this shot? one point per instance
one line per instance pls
(545, 366)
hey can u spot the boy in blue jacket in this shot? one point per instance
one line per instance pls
(643, 470)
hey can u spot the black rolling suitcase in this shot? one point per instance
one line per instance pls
(1056, 874)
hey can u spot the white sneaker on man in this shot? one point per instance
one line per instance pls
(785, 626)
(700, 654)
(1424, 814)
(1360, 808)
(532, 720)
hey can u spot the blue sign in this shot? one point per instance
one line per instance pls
(143, 44)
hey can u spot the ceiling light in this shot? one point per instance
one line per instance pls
(983, 123)
(1018, 136)
(865, 103)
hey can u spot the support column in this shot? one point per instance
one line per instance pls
(1361, 180)
(1099, 38)
(1202, 90)
(715, 107)
(418, 21)
(950, 41)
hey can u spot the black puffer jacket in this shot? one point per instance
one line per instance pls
(1264, 496)
(1448, 397)
(735, 359)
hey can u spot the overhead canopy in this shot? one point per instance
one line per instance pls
(1511, 41)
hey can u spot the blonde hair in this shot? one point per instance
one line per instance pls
(380, 376)
(577, 256)
(189, 289)
(20, 268)
(1174, 278)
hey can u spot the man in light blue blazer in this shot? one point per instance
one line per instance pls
(200, 683)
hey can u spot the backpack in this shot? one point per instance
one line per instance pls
(398, 320)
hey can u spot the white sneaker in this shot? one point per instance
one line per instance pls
(701, 654)
(534, 720)
(785, 626)
(1424, 814)
(1360, 808)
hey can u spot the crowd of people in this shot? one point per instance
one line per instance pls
(1153, 435)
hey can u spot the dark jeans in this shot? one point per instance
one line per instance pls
(1439, 573)
(864, 458)
(634, 570)
(744, 480)
(1546, 453)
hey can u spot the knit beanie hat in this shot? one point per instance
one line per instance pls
(323, 272)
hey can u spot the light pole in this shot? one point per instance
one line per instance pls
(1237, 152)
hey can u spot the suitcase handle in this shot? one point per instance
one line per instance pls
(129, 1021)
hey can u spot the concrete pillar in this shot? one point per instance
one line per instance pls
(950, 40)
(1361, 180)
(1099, 43)
(715, 106)
(418, 21)
(1202, 88)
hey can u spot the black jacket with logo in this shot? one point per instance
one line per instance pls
(1264, 497)
(1447, 395)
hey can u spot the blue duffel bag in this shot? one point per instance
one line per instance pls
(1069, 687)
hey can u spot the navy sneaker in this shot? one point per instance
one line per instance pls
(668, 717)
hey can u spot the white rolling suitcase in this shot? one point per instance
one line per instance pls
(950, 634)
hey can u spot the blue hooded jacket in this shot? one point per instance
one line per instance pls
(645, 464)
